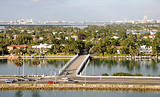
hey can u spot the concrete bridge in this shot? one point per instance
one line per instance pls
(75, 66)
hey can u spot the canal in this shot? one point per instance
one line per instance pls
(146, 67)
(46, 67)
(74, 93)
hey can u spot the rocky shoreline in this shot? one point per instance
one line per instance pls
(79, 87)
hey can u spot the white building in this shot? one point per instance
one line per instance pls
(74, 37)
(46, 46)
(146, 50)
(115, 37)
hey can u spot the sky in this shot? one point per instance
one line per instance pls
(79, 10)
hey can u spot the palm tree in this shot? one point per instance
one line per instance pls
(18, 63)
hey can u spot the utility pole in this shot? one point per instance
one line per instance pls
(23, 64)
(55, 76)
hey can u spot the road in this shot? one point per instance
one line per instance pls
(91, 80)
(74, 66)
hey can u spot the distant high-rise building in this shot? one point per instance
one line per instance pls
(145, 18)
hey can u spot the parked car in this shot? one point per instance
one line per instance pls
(51, 82)
(10, 81)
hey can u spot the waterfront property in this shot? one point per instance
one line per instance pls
(145, 49)
(13, 47)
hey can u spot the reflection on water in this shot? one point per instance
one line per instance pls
(45, 66)
(80, 93)
(146, 67)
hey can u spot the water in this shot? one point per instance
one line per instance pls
(47, 67)
(73, 93)
(110, 66)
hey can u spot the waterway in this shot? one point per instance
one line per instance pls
(46, 67)
(146, 67)
(74, 93)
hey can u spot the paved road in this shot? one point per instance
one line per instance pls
(90, 80)
(74, 66)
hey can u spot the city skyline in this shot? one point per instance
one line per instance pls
(79, 10)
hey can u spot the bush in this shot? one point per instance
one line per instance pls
(126, 74)
(94, 75)
(138, 74)
(105, 74)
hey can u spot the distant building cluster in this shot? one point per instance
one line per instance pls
(144, 20)
(62, 22)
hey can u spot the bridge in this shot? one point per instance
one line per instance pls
(75, 66)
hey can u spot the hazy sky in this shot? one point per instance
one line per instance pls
(79, 10)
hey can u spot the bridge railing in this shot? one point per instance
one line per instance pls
(79, 70)
(67, 64)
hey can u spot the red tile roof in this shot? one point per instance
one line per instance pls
(20, 46)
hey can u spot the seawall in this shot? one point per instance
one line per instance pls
(79, 87)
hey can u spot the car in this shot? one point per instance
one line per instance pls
(65, 79)
(20, 79)
(51, 82)
(10, 81)
(29, 79)
(72, 81)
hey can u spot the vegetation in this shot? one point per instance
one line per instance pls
(105, 74)
(126, 74)
(97, 40)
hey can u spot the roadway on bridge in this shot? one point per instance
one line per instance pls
(74, 66)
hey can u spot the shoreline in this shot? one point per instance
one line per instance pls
(29, 57)
(93, 56)
(127, 57)
(80, 87)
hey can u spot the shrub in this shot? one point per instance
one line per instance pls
(126, 74)
(94, 75)
(105, 74)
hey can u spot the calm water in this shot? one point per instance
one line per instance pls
(110, 66)
(47, 67)
(67, 93)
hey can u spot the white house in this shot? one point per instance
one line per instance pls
(74, 37)
(115, 37)
(42, 46)
(146, 50)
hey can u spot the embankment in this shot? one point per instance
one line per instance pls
(79, 87)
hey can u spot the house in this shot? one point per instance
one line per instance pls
(74, 37)
(145, 49)
(118, 48)
(42, 46)
(54, 33)
(71, 37)
(15, 37)
(145, 37)
(41, 38)
(115, 37)
(12, 47)
(152, 36)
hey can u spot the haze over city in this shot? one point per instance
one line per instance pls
(79, 10)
